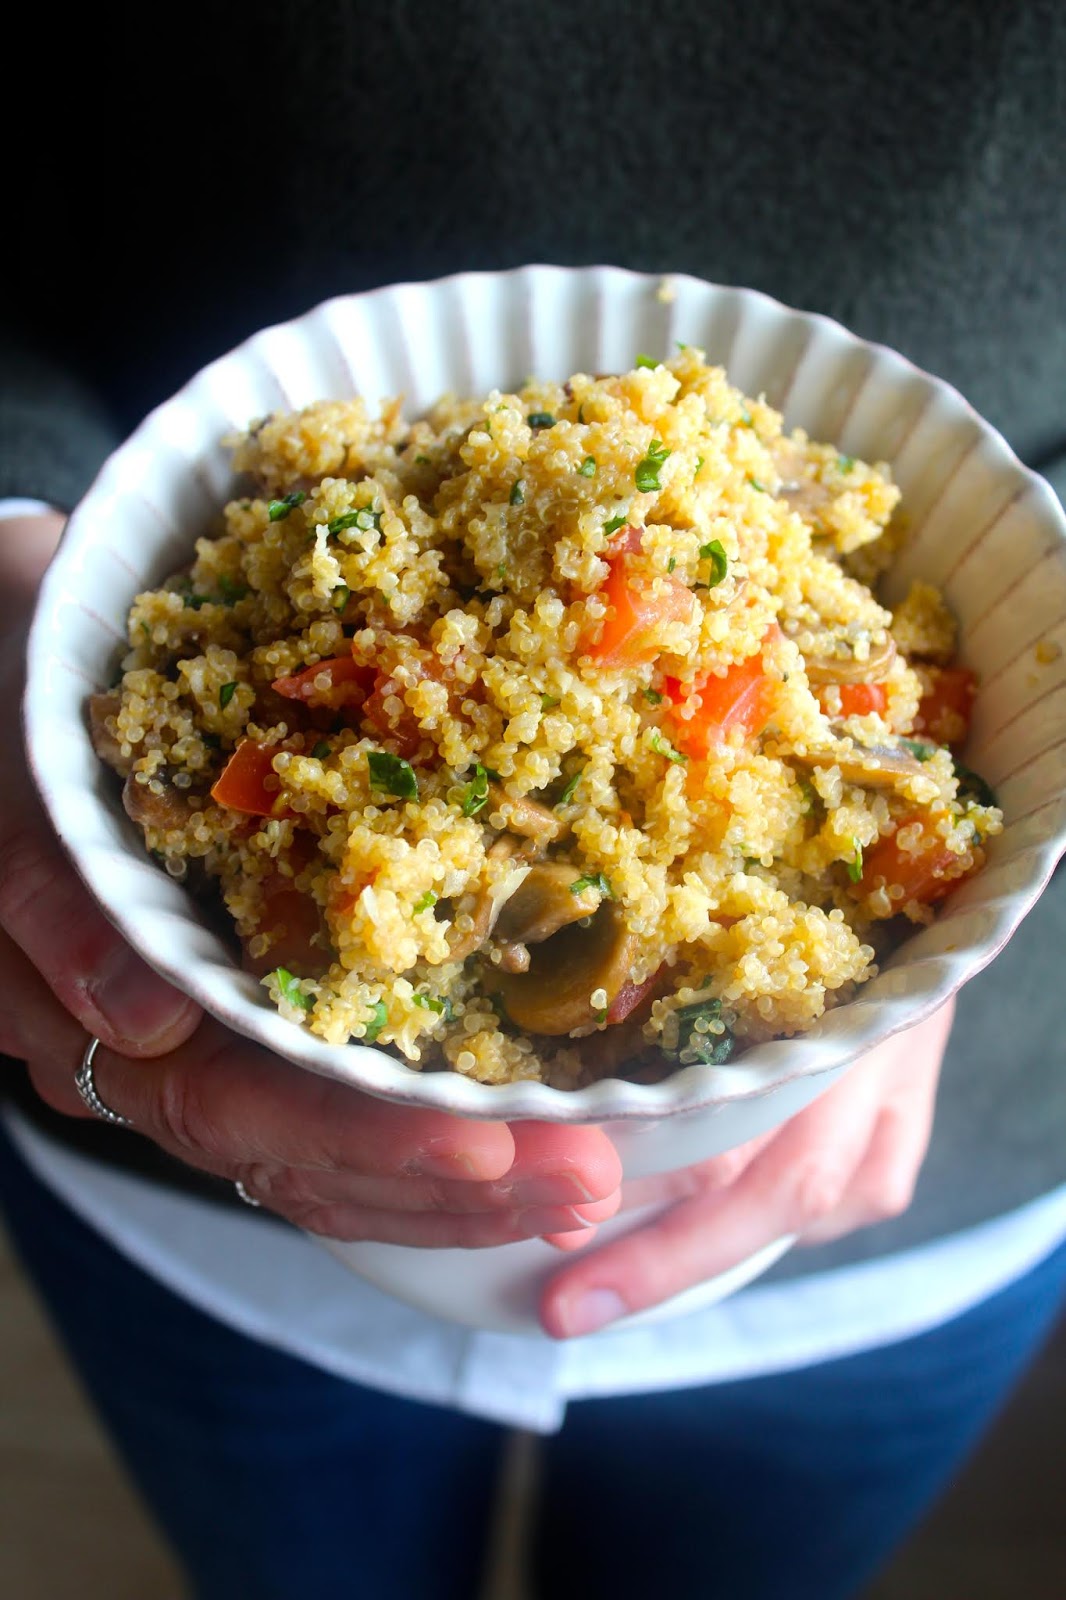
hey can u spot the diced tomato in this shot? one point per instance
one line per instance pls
(242, 785)
(945, 709)
(704, 713)
(625, 541)
(631, 996)
(862, 699)
(926, 874)
(292, 920)
(627, 636)
(347, 683)
(398, 728)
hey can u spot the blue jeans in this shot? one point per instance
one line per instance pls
(275, 1481)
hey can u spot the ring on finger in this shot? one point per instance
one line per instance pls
(85, 1084)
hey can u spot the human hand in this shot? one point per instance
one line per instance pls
(323, 1155)
(849, 1159)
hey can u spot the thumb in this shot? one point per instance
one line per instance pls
(92, 971)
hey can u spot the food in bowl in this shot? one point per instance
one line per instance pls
(554, 735)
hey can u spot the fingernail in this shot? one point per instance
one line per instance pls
(431, 1163)
(137, 1003)
(593, 1310)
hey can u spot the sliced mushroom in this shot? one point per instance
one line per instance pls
(849, 669)
(803, 492)
(164, 811)
(488, 901)
(555, 996)
(525, 816)
(107, 747)
(871, 766)
(544, 902)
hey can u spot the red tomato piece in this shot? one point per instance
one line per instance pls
(348, 683)
(705, 713)
(626, 638)
(926, 874)
(242, 784)
(862, 699)
(945, 709)
(630, 997)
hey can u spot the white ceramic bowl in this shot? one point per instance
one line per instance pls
(986, 529)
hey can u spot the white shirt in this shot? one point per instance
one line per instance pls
(285, 1289)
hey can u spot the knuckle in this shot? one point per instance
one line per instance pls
(182, 1114)
(327, 1219)
(818, 1188)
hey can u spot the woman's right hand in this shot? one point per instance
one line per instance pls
(325, 1156)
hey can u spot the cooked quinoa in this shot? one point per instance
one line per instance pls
(554, 735)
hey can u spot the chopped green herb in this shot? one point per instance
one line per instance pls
(392, 774)
(364, 519)
(423, 461)
(501, 570)
(321, 750)
(810, 794)
(432, 1002)
(757, 485)
(972, 787)
(671, 564)
(278, 510)
(289, 989)
(340, 597)
(476, 792)
(375, 1022)
(715, 554)
(646, 477)
(614, 525)
(225, 694)
(424, 902)
(568, 793)
(664, 748)
(194, 602)
(855, 864)
(920, 751)
(593, 881)
(646, 361)
(745, 416)
(581, 413)
(548, 702)
(587, 468)
(231, 592)
(845, 463)
(699, 468)
(695, 1040)
(517, 496)
(541, 419)
(146, 630)
(653, 696)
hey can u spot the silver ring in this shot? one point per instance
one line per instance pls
(83, 1082)
(242, 1194)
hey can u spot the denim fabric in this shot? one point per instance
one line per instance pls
(275, 1481)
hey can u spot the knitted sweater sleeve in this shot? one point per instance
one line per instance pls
(54, 431)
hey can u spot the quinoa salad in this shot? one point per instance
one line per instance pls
(555, 735)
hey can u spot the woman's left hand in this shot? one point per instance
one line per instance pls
(850, 1159)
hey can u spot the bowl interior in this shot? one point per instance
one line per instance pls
(984, 528)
